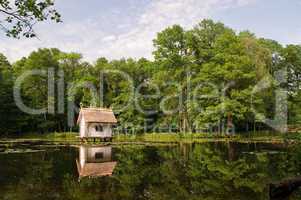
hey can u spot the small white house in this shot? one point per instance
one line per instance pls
(96, 122)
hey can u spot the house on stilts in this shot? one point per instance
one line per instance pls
(96, 123)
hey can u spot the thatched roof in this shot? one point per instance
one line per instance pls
(101, 115)
(96, 169)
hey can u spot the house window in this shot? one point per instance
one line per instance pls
(99, 128)
(98, 156)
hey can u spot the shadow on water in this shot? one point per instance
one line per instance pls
(216, 170)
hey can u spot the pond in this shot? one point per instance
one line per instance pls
(32, 171)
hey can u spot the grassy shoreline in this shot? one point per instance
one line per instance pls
(72, 138)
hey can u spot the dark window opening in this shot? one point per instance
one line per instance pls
(98, 156)
(99, 128)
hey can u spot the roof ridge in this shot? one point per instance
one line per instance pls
(98, 109)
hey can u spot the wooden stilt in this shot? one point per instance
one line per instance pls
(95, 139)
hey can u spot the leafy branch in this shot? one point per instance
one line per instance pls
(18, 17)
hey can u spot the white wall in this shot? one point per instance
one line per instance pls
(87, 154)
(82, 132)
(92, 151)
(82, 156)
(107, 130)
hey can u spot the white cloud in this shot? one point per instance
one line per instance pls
(160, 14)
(88, 38)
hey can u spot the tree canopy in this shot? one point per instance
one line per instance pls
(208, 78)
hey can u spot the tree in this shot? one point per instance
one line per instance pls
(207, 75)
(34, 89)
(11, 119)
(292, 61)
(174, 61)
(230, 67)
(18, 17)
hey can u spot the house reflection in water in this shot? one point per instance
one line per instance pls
(95, 162)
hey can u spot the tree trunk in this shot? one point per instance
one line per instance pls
(229, 123)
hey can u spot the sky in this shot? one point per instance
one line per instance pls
(125, 28)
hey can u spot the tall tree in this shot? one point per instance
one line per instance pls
(228, 73)
(292, 62)
(174, 61)
(11, 118)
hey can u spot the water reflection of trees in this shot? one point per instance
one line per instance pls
(206, 171)
(34, 176)
(210, 171)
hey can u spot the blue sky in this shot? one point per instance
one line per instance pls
(126, 28)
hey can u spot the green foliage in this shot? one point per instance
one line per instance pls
(21, 16)
(206, 75)
(10, 118)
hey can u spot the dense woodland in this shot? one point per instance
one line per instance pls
(188, 66)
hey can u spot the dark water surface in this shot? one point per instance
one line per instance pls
(196, 171)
